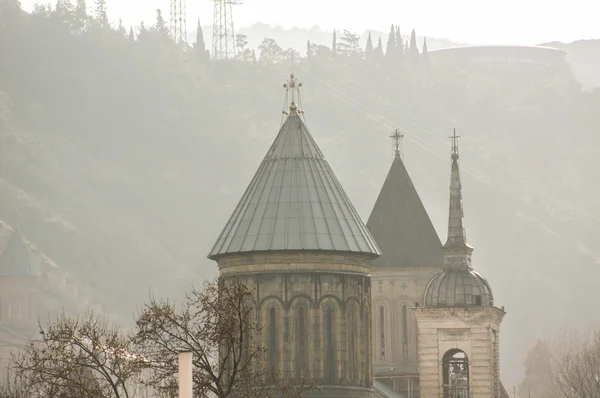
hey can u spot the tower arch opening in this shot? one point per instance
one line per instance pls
(455, 370)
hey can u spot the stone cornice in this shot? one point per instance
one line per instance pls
(469, 314)
(294, 262)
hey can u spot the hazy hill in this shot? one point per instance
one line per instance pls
(296, 38)
(127, 155)
(584, 57)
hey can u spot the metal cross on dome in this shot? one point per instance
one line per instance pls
(293, 86)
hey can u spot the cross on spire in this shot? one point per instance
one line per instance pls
(397, 138)
(293, 86)
(454, 139)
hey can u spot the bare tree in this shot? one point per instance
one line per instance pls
(79, 357)
(13, 388)
(577, 369)
(218, 325)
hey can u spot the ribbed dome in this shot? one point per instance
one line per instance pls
(458, 288)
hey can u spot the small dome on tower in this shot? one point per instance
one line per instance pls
(458, 288)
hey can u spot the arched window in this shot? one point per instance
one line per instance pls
(352, 346)
(302, 353)
(404, 331)
(273, 342)
(382, 331)
(455, 368)
(330, 348)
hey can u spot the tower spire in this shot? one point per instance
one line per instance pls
(458, 252)
(397, 138)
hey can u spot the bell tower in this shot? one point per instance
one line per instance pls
(458, 324)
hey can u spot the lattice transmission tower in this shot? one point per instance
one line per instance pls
(223, 33)
(178, 21)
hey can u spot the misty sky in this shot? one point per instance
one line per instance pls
(469, 21)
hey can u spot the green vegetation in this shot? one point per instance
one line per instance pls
(126, 152)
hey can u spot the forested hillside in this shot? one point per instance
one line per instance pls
(126, 153)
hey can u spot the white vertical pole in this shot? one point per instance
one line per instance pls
(185, 375)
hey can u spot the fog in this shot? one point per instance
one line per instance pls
(126, 157)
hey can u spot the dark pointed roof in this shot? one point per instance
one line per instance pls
(16, 259)
(294, 202)
(401, 226)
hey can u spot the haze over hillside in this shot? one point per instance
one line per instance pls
(126, 155)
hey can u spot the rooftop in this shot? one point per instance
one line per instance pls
(294, 201)
(16, 259)
(401, 226)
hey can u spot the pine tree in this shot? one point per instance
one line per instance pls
(378, 52)
(200, 46)
(425, 55)
(101, 13)
(161, 24)
(131, 34)
(369, 47)
(334, 44)
(399, 43)
(391, 44)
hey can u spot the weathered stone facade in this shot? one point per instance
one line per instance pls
(395, 350)
(321, 306)
(474, 331)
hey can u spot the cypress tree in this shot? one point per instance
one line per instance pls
(399, 43)
(425, 55)
(334, 44)
(391, 44)
(200, 46)
(379, 49)
(121, 29)
(131, 35)
(414, 51)
(308, 51)
(369, 47)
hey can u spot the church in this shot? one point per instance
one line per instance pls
(381, 309)
(375, 310)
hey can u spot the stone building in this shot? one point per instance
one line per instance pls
(32, 288)
(458, 325)
(297, 239)
(411, 256)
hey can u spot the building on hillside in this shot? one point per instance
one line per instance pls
(296, 237)
(32, 288)
(19, 288)
(411, 256)
(499, 54)
(458, 325)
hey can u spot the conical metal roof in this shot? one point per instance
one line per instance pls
(16, 259)
(401, 226)
(294, 202)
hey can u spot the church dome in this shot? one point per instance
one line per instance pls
(458, 288)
